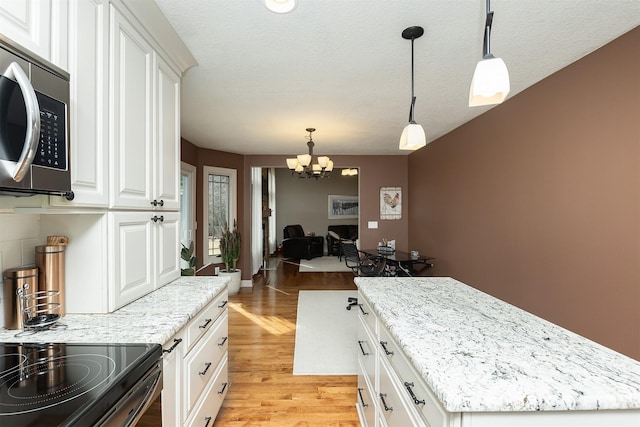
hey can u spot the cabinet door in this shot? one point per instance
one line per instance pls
(167, 153)
(88, 66)
(131, 115)
(131, 240)
(172, 356)
(39, 26)
(167, 247)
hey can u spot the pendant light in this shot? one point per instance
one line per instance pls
(490, 83)
(280, 6)
(413, 136)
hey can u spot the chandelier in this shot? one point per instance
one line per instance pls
(302, 163)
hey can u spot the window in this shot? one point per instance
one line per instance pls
(187, 203)
(219, 207)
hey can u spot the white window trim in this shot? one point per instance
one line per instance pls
(233, 205)
(189, 171)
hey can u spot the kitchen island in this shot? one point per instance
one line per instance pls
(482, 361)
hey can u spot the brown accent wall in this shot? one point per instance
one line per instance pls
(200, 157)
(537, 201)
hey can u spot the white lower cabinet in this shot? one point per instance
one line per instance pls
(394, 392)
(196, 369)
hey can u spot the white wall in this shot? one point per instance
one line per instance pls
(19, 235)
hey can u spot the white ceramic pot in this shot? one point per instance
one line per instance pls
(234, 284)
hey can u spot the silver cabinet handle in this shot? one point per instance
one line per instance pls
(224, 340)
(384, 403)
(207, 366)
(364, 405)
(31, 139)
(408, 386)
(384, 347)
(364, 353)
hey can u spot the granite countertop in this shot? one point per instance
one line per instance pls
(154, 318)
(478, 353)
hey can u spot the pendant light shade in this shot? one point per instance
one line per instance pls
(490, 82)
(280, 6)
(413, 136)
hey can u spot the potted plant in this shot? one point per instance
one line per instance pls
(230, 253)
(187, 255)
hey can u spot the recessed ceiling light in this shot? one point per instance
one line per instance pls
(280, 6)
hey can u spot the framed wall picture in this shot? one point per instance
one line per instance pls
(343, 207)
(391, 203)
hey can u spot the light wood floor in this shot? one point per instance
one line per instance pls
(263, 391)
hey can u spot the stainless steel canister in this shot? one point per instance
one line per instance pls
(50, 263)
(14, 279)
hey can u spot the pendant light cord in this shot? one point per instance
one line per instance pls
(413, 98)
(486, 48)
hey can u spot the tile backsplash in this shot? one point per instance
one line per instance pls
(19, 235)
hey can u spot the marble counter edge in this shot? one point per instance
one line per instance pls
(150, 319)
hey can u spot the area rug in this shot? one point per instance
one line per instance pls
(323, 264)
(326, 334)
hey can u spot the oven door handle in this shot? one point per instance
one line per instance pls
(15, 72)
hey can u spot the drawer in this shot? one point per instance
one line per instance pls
(202, 321)
(207, 409)
(391, 403)
(366, 404)
(367, 352)
(367, 315)
(417, 393)
(202, 361)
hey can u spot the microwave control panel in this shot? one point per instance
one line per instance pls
(52, 148)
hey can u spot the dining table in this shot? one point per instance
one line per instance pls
(405, 263)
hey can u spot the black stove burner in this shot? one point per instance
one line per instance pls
(67, 384)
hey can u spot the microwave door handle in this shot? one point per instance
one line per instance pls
(14, 71)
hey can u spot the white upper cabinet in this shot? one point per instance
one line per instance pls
(88, 67)
(167, 152)
(37, 25)
(131, 115)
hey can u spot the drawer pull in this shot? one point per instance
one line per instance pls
(364, 405)
(364, 313)
(386, 408)
(224, 386)
(208, 421)
(157, 218)
(173, 347)
(205, 324)
(384, 347)
(224, 340)
(417, 401)
(364, 353)
(224, 303)
(208, 365)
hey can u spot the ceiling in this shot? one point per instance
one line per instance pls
(343, 67)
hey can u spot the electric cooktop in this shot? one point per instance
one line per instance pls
(64, 384)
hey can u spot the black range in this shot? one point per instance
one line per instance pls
(64, 384)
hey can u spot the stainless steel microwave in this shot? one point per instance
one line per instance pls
(34, 124)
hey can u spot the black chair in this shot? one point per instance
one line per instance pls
(362, 264)
(296, 244)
